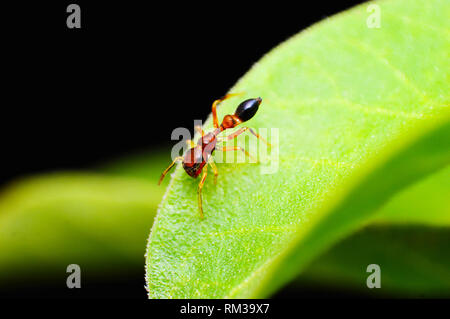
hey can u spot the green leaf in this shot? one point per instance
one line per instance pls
(96, 221)
(411, 232)
(362, 114)
(412, 260)
(424, 203)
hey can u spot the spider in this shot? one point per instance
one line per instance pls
(200, 154)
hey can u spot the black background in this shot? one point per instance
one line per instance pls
(72, 98)
(134, 72)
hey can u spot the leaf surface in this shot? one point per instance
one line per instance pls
(362, 113)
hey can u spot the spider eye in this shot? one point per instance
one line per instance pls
(247, 109)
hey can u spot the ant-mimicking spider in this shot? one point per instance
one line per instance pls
(199, 154)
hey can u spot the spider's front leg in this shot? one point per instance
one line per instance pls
(199, 191)
(214, 168)
(216, 103)
(177, 159)
(239, 132)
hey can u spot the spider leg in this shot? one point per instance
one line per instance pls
(190, 143)
(199, 129)
(214, 168)
(236, 148)
(199, 191)
(177, 159)
(239, 132)
(216, 103)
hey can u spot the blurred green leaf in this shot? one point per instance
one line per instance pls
(413, 259)
(425, 203)
(363, 114)
(409, 238)
(96, 221)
